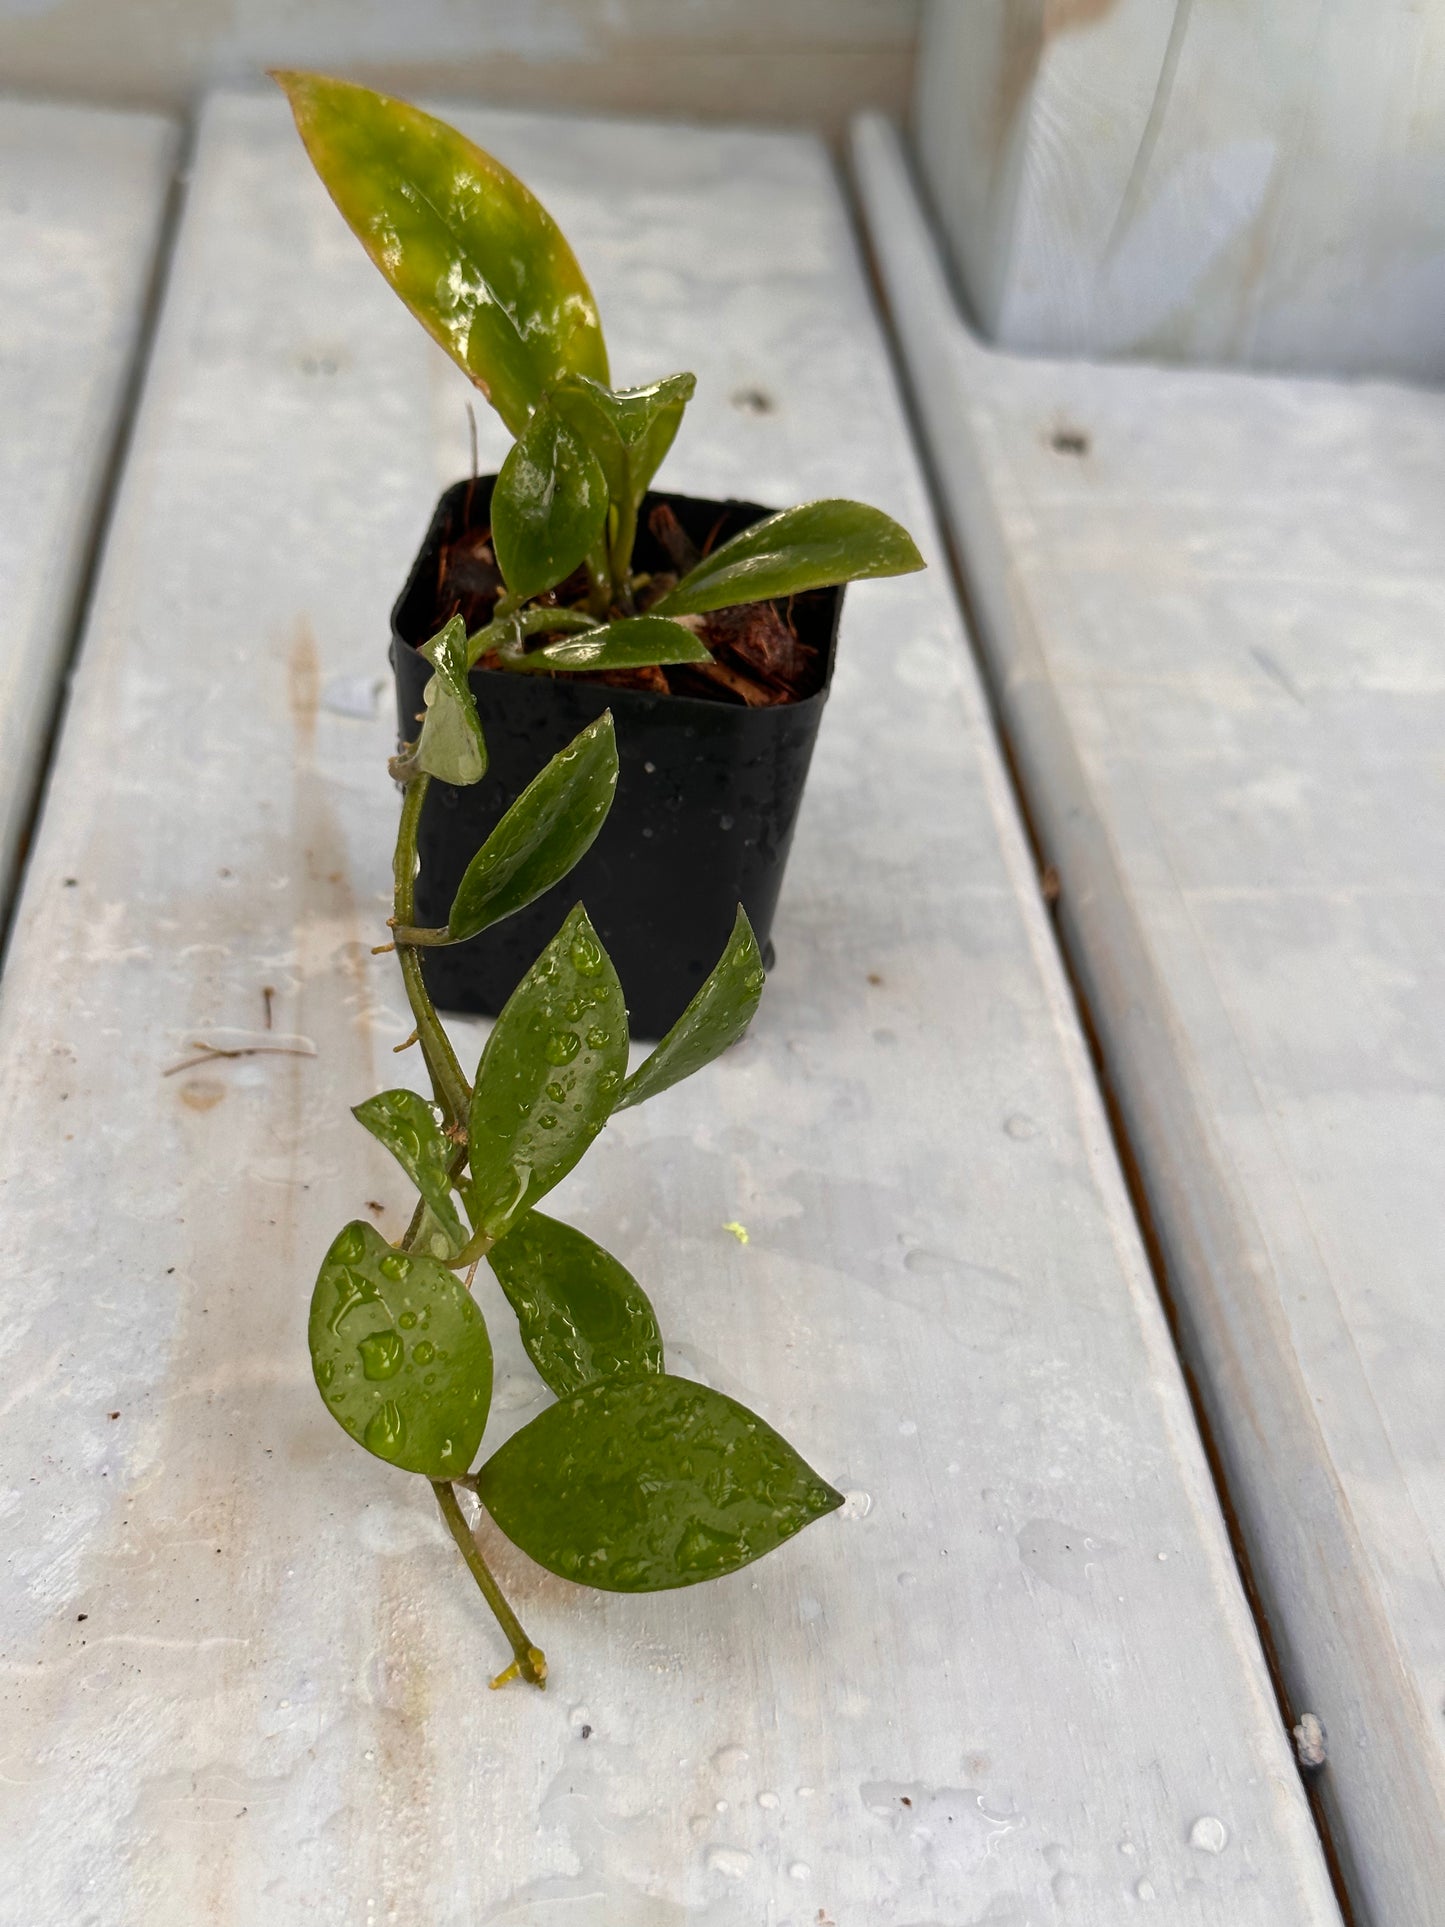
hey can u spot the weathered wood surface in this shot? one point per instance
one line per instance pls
(1017, 1680)
(82, 195)
(1215, 611)
(1194, 180)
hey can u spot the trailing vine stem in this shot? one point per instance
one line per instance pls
(453, 1094)
(452, 1090)
(529, 1662)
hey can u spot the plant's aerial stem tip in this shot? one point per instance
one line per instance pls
(532, 1668)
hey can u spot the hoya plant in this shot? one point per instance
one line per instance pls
(633, 1480)
(487, 272)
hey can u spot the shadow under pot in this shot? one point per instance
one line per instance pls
(712, 762)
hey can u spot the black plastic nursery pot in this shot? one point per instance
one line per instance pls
(707, 796)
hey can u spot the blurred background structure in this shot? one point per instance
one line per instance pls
(807, 62)
(1185, 180)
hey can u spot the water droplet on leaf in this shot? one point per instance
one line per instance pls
(561, 1047)
(586, 954)
(386, 1430)
(381, 1354)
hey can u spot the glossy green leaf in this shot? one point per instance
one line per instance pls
(548, 506)
(637, 1485)
(474, 255)
(407, 1125)
(401, 1354)
(583, 1316)
(451, 745)
(549, 828)
(630, 430)
(717, 1017)
(632, 642)
(810, 547)
(549, 1076)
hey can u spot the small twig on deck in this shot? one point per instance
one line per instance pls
(209, 1052)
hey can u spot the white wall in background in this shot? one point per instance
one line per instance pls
(1234, 181)
(788, 60)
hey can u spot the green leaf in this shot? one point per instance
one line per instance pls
(451, 745)
(717, 1017)
(407, 1125)
(632, 642)
(642, 1484)
(583, 1316)
(548, 1078)
(810, 547)
(629, 431)
(549, 828)
(474, 255)
(401, 1354)
(548, 506)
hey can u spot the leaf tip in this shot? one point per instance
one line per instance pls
(826, 1499)
(300, 87)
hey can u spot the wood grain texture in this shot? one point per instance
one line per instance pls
(1015, 1680)
(1213, 607)
(82, 195)
(1194, 180)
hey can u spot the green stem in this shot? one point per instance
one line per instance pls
(621, 557)
(528, 1661)
(477, 1246)
(423, 938)
(453, 1092)
(599, 581)
(504, 632)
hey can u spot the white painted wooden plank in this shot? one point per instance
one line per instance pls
(1194, 180)
(1017, 1681)
(82, 195)
(1214, 607)
(799, 62)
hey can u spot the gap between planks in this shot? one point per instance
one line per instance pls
(112, 471)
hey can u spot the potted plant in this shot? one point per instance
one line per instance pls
(707, 627)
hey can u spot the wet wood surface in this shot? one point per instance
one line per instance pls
(1213, 606)
(1016, 1679)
